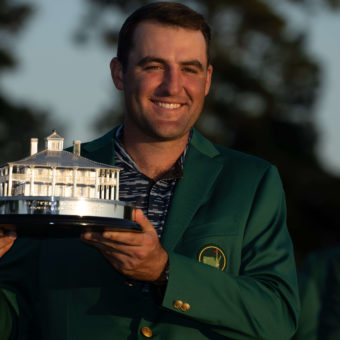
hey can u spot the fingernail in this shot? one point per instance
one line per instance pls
(88, 235)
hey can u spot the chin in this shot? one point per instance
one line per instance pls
(169, 136)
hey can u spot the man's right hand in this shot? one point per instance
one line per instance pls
(6, 241)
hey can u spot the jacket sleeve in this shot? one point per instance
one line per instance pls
(18, 288)
(6, 317)
(261, 300)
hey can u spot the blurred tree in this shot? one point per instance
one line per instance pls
(17, 122)
(262, 101)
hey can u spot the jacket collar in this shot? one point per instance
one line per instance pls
(102, 149)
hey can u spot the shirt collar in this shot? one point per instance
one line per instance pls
(175, 172)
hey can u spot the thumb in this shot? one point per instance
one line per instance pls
(142, 220)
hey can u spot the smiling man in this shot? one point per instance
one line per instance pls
(214, 259)
(165, 83)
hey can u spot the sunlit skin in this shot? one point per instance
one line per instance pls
(165, 83)
(6, 241)
(164, 86)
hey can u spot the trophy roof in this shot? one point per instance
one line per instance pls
(62, 159)
(54, 135)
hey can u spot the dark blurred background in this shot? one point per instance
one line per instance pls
(266, 86)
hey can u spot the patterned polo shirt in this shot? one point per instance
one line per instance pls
(151, 196)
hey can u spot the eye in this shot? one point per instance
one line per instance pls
(152, 67)
(190, 70)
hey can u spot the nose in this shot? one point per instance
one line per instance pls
(172, 82)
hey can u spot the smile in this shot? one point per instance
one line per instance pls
(170, 106)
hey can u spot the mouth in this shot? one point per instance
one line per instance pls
(169, 106)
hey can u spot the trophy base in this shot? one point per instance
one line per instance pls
(63, 225)
(56, 216)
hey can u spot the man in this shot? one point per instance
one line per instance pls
(214, 260)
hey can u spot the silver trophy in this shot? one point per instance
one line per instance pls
(55, 189)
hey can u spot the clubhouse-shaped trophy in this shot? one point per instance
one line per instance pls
(56, 190)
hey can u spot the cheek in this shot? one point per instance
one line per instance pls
(133, 94)
(147, 83)
(196, 88)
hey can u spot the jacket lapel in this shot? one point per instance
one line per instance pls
(201, 169)
(200, 172)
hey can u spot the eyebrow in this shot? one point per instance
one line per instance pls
(150, 59)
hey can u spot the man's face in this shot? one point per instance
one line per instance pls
(166, 81)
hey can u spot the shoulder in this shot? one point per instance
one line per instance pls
(101, 149)
(239, 159)
(232, 161)
(99, 143)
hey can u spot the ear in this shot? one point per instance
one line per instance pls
(117, 73)
(208, 79)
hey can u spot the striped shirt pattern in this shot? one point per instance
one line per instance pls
(152, 197)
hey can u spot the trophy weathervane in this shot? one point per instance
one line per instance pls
(58, 188)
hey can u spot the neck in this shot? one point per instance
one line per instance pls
(152, 157)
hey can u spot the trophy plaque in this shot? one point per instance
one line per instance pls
(55, 190)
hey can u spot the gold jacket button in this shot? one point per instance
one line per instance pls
(185, 307)
(178, 304)
(129, 283)
(147, 332)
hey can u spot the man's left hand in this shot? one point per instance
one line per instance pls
(138, 256)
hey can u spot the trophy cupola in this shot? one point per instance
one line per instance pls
(54, 142)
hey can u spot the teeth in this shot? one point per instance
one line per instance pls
(168, 105)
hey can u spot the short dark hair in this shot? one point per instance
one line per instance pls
(165, 13)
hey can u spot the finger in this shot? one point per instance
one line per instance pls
(103, 247)
(123, 237)
(91, 236)
(9, 233)
(107, 245)
(115, 257)
(5, 240)
(143, 221)
(98, 237)
(5, 247)
(117, 237)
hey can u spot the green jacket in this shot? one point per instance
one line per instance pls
(231, 262)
